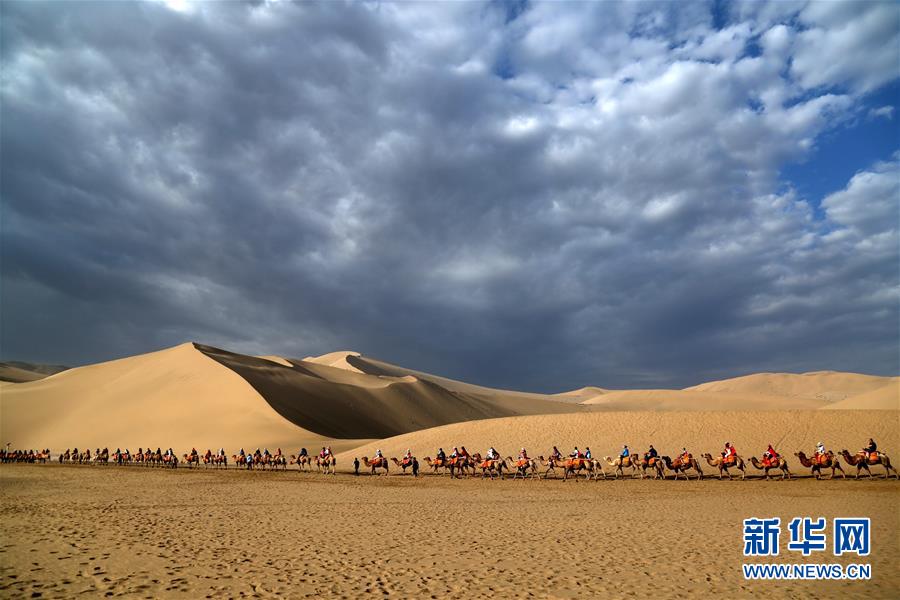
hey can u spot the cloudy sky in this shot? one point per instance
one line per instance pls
(531, 195)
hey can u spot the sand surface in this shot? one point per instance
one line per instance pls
(669, 432)
(150, 533)
(176, 397)
(831, 389)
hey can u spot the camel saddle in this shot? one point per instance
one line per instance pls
(770, 462)
(822, 459)
(730, 460)
(652, 461)
(522, 462)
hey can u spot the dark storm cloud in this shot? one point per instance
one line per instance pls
(545, 198)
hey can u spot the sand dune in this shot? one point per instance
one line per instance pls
(367, 399)
(883, 398)
(194, 395)
(827, 386)
(669, 432)
(20, 372)
(176, 397)
(690, 400)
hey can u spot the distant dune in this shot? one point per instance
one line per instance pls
(20, 372)
(690, 400)
(825, 386)
(669, 432)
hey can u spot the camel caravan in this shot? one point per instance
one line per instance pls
(579, 464)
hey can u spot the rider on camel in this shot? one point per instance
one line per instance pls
(771, 456)
(730, 454)
(441, 455)
(523, 455)
(625, 453)
(684, 455)
(492, 454)
(820, 450)
(587, 452)
(870, 450)
(556, 454)
(576, 453)
(651, 454)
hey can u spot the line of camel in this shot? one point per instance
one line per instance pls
(465, 466)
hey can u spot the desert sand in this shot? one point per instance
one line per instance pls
(152, 533)
(176, 397)
(669, 432)
(199, 396)
(22, 372)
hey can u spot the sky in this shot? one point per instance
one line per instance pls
(527, 195)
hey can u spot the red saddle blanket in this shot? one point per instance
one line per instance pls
(770, 462)
(522, 463)
(822, 459)
(652, 461)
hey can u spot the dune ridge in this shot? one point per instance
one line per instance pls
(196, 395)
(178, 397)
(366, 401)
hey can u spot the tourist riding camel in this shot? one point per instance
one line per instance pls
(870, 456)
(772, 460)
(728, 458)
(820, 461)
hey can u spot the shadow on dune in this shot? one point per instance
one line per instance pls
(378, 403)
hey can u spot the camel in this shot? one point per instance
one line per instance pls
(326, 465)
(452, 465)
(653, 463)
(191, 459)
(403, 464)
(304, 463)
(241, 460)
(768, 465)
(523, 466)
(596, 468)
(824, 461)
(621, 463)
(569, 465)
(680, 466)
(860, 463)
(723, 467)
(490, 467)
(376, 463)
(437, 463)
